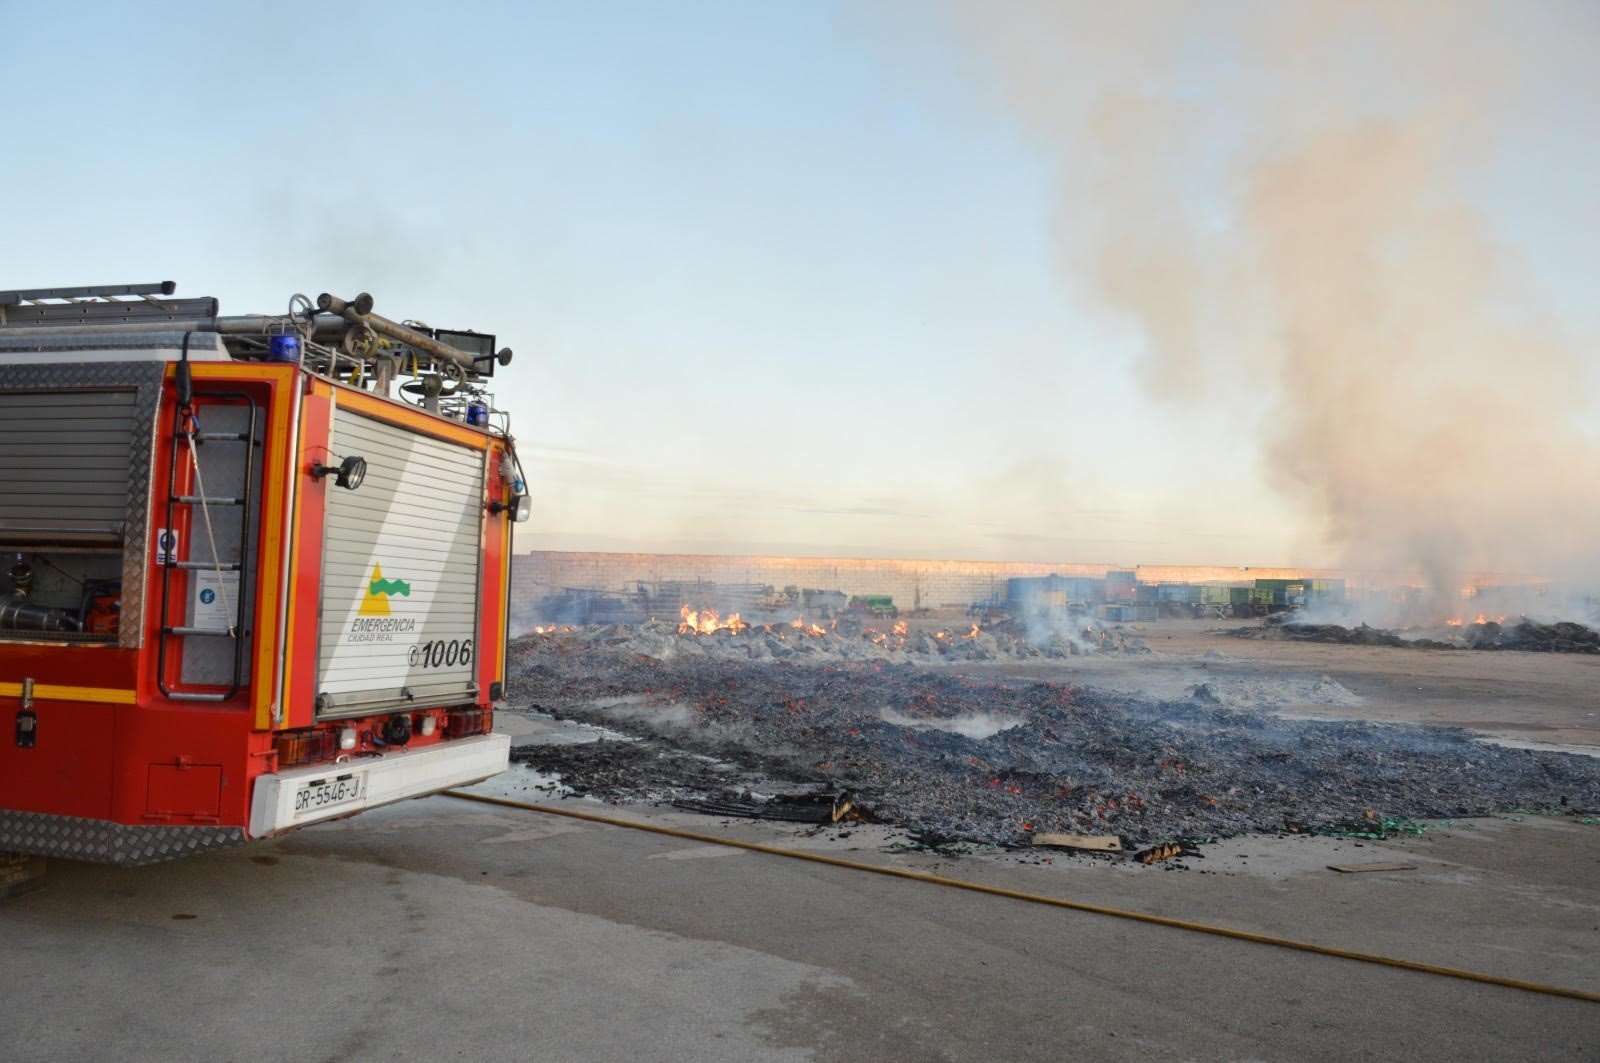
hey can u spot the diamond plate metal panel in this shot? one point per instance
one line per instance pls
(145, 378)
(98, 841)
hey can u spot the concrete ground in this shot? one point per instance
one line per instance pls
(441, 929)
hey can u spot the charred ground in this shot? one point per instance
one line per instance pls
(990, 759)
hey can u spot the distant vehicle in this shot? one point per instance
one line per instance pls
(253, 570)
(880, 605)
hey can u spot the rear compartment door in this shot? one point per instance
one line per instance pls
(400, 572)
(64, 465)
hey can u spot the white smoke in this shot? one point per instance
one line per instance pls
(1280, 197)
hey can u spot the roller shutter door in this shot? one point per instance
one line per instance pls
(64, 461)
(400, 572)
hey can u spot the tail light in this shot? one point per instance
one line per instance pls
(467, 722)
(304, 747)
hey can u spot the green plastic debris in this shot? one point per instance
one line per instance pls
(1373, 829)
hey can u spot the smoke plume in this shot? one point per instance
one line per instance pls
(1284, 200)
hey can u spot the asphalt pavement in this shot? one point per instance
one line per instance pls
(441, 929)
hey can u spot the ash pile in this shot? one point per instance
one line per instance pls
(1528, 635)
(993, 760)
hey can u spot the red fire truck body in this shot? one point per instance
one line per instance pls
(243, 587)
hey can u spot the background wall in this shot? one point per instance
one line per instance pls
(913, 583)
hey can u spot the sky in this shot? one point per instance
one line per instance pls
(798, 279)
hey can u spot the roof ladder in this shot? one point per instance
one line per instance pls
(101, 304)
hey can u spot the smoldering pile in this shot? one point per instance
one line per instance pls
(1529, 635)
(989, 759)
(849, 640)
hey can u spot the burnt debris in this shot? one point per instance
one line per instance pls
(1529, 635)
(1047, 758)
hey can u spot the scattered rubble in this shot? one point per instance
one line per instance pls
(1070, 760)
(706, 635)
(1163, 851)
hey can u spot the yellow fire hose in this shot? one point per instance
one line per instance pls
(1039, 898)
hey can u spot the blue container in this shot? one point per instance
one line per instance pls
(478, 414)
(283, 348)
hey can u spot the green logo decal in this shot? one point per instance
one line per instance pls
(376, 601)
(390, 586)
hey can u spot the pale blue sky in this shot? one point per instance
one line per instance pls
(780, 278)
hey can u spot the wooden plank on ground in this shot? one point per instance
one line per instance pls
(1099, 843)
(1353, 869)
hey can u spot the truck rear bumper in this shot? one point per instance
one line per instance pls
(380, 781)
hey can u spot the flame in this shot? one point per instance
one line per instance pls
(813, 630)
(1481, 618)
(894, 638)
(973, 633)
(553, 629)
(705, 621)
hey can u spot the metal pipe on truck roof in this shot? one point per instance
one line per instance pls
(360, 312)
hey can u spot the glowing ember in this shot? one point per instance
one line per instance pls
(553, 629)
(973, 633)
(706, 621)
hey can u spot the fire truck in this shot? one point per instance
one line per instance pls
(253, 569)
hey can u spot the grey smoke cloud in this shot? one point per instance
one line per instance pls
(1278, 197)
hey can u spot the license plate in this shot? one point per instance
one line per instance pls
(315, 795)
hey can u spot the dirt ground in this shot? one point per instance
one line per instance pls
(1544, 698)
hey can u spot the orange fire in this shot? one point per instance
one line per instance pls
(894, 638)
(706, 621)
(973, 633)
(813, 630)
(1481, 618)
(553, 629)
